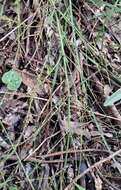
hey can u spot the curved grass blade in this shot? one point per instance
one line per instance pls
(116, 96)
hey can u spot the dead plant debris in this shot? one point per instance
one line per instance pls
(55, 131)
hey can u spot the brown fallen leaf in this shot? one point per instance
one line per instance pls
(75, 128)
(29, 80)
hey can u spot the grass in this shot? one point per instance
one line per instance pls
(71, 50)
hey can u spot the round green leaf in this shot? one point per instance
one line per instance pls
(12, 79)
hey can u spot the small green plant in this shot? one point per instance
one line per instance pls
(12, 79)
(116, 96)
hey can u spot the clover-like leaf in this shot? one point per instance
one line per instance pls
(12, 79)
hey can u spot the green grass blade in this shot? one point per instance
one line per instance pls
(116, 96)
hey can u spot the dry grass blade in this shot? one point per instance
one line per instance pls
(65, 58)
(92, 167)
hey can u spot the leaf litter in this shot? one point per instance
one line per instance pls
(61, 59)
